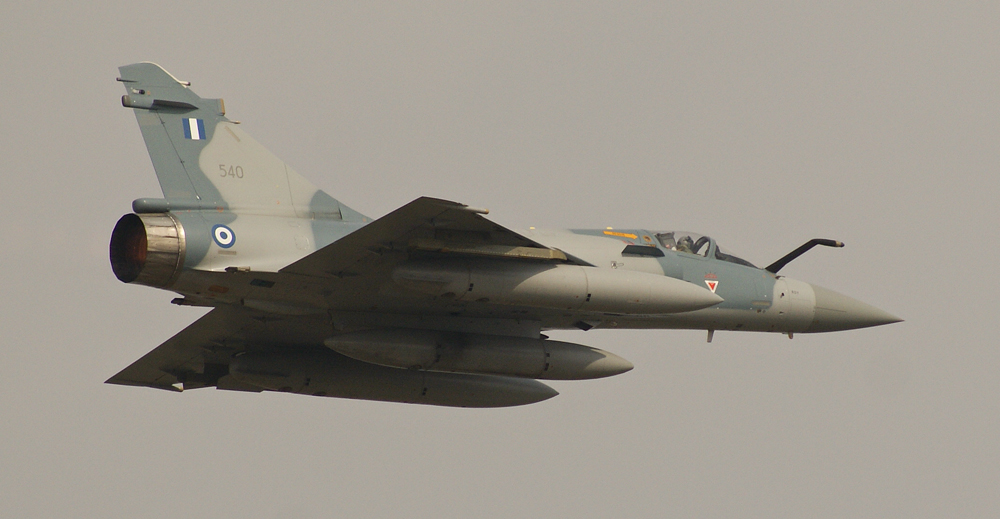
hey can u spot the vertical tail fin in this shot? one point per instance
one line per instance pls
(203, 160)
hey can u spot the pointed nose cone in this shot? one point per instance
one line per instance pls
(669, 295)
(461, 390)
(707, 298)
(610, 365)
(568, 361)
(835, 312)
(607, 366)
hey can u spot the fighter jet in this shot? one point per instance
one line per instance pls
(431, 304)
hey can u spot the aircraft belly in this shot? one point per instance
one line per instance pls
(707, 319)
(264, 291)
(560, 287)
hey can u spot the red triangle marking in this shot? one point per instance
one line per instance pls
(712, 285)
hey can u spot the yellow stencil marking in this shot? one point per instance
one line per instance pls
(622, 234)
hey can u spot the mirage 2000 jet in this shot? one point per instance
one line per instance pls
(430, 304)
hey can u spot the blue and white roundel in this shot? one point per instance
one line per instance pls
(224, 236)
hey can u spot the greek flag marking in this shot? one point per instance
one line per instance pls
(194, 129)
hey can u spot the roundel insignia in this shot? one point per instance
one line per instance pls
(224, 236)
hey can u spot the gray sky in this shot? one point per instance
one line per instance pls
(764, 125)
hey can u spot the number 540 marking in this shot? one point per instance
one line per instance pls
(230, 171)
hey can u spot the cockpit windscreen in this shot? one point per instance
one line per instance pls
(698, 245)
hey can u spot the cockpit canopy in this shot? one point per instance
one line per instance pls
(687, 242)
(698, 245)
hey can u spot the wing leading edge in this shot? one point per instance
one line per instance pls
(425, 224)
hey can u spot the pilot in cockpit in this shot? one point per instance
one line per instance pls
(686, 244)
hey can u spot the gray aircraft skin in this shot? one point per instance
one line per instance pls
(430, 304)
